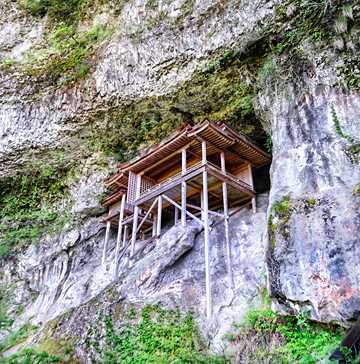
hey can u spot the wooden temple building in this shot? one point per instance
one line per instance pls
(200, 170)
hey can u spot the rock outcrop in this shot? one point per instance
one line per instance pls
(67, 274)
(314, 210)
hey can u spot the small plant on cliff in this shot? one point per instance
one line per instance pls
(285, 339)
(356, 191)
(282, 207)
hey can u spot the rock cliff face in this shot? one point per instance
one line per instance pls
(268, 67)
(315, 223)
(65, 274)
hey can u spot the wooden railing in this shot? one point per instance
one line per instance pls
(191, 169)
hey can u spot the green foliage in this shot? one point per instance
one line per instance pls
(17, 337)
(155, 336)
(31, 356)
(27, 207)
(266, 73)
(268, 143)
(311, 201)
(6, 294)
(7, 63)
(282, 210)
(64, 10)
(282, 207)
(67, 59)
(356, 191)
(286, 339)
(349, 72)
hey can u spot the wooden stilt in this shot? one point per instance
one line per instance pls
(183, 203)
(251, 182)
(179, 207)
(154, 225)
(119, 235)
(107, 236)
(227, 237)
(176, 218)
(136, 216)
(207, 238)
(226, 223)
(125, 237)
(183, 188)
(206, 232)
(158, 228)
(202, 204)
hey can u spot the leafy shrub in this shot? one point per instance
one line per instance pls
(31, 356)
(65, 10)
(286, 339)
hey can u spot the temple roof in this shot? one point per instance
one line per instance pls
(219, 137)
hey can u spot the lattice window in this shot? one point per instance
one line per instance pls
(131, 195)
(146, 184)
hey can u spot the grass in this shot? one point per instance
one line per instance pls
(268, 337)
(152, 336)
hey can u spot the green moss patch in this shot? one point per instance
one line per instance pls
(27, 207)
(356, 191)
(67, 59)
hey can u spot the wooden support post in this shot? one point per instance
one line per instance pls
(222, 162)
(251, 182)
(207, 242)
(118, 239)
(227, 237)
(158, 228)
(183, 188)
(125, 237)
(202, 204)
(226, 223)
(154, 225)
(136, 216)
(176, 217)
(107, 236)
(179, 207)
(203, 152)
